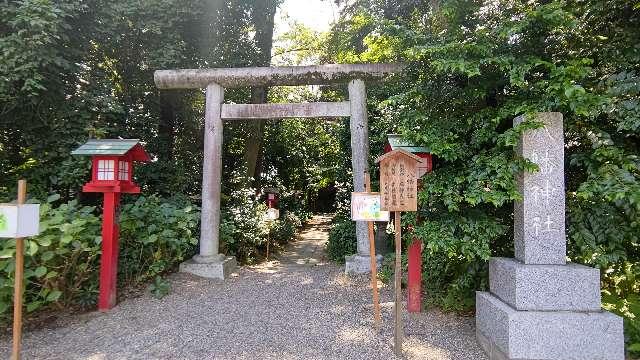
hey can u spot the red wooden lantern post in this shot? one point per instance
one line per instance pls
(112, 174)
(414, 291)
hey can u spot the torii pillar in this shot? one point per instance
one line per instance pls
(209, 262)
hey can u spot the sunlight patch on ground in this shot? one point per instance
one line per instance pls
(349, 335)
(420, 350)
(267, 267)
(96, 357)
(341, 280)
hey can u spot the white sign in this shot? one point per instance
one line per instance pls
(273, 214)
(19, 220)
(366, 207)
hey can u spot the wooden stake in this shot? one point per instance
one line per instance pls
(397, 336)
(17, 287)
(268, 241)
(374, 264)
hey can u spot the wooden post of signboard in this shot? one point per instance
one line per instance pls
(374, 265)
(397, 348)
(398, 192)
(17, 287)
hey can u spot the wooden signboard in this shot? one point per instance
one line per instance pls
(19, 220)
(366, 207)
(398, 186)
(399, 192)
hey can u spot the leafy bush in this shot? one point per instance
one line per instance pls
(284, 229)
(342, 240)
(245, 230)
(160, 287)
(472, 68)
(629, 308)
(243, 227)
(62, 263)
(155, 235)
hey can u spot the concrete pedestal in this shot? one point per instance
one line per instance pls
(358, 264)
(570, 287)
(215, 267)
(508, 334)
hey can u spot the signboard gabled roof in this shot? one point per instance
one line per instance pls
(398, 143)
(112, 147)
(393, 153)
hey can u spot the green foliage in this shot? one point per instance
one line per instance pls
(43, 112)
(62, 263)
(159, 288)
(72, 70)
(472, 68)
(385, 274)
(155, 235)
(342, 240)
(284, 229)
(245, 229)
(301, 158)
(629, 308)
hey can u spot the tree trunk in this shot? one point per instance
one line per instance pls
(264, 12)
(166, 125)
(255, 131)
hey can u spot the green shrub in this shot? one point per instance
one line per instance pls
(454, 259)
(342, 240)
(385, 273)
(159, 288)
(245, 230)
(284, 229)
(155, 235)
(629, 308)
(62, 263)
(243, 227)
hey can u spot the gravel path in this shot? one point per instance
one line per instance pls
(300, 307)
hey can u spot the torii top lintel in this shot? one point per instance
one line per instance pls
(273, 76)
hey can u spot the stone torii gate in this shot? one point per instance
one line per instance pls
(209, 262)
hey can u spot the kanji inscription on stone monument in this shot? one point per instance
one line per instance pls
(398, 186)
(539, 218)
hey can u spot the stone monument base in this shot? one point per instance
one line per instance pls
(569, 287)
(358, 264)
(508, 334)
(216, 267)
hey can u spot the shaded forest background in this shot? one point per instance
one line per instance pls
(74, 69)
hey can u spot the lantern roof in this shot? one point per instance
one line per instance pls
(113, 147)
(399, 152)
(398, 143)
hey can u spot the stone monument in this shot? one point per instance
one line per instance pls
(539, 307)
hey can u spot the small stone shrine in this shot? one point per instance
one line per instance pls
(539, 307)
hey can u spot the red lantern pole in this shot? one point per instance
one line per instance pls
(414, 263)
(414, 293)
(109, 257)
